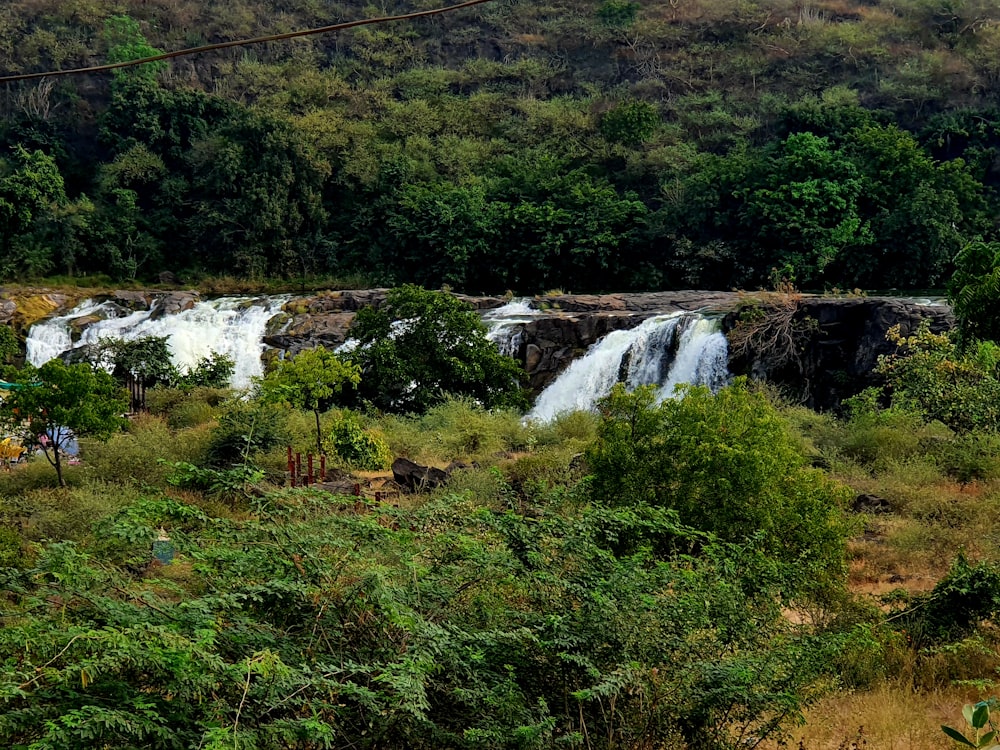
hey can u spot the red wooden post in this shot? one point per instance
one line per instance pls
(357, 490)
(322, 467)
(292, 476)
(298, 465)
(289, 455)
(309, 460)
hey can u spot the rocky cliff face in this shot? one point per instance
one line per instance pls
(838, 343)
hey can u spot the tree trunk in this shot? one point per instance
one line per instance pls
(57, 462)
(319, 435)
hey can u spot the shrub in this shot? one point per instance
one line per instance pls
(245, 428)
(69, 513)
(727, 464)
(11, 547)
(357, 447)
(191, 414)
(457, 429)
(162, 401)
(964, 598)
(932, 378)
(133, 456)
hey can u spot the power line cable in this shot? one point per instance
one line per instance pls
(242, 43)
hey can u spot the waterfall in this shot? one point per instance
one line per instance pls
(664, 351)
(233, 326)
(505, 324)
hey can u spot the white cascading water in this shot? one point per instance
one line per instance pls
(504, 324)
(664, 351)
(229, 325)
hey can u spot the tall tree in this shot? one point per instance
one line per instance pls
(312, 379)
(421, 346)
(48, 406)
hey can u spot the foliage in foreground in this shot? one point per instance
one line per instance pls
(931, 377)
(307, 626)
(727, 465)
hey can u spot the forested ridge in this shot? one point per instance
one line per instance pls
(524, 146)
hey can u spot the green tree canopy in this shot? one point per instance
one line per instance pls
(420, 346)
(726, 463)
(312, 379)
(48, 402)
(974, 290)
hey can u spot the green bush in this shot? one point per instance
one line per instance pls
(970, 457)
(877, 439)
(966, 597)
(576, 427)
(190, 414)
(357, 447)
(161, 400)
(727, 465)
(69, 513)
(11, 547)
(133, 456)
(246, 428)
(36, 473)
(931, 377)
(457, 429)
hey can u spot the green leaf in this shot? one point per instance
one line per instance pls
(956, 735)
(981, 715)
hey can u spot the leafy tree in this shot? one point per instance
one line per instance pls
(10, 346)
(421, 346)
(806, 213)
(919, 211)
(931, 377)
(126, 42)
(32, 201)
(214, 371)
(559, 225)
(630, 123)
(446, 235)
(726, 463)
(256, 193)
(147, 359)
(47, 406)
(312, 379)
(618, 13)
(974, 290)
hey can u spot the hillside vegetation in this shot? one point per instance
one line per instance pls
(525, 146)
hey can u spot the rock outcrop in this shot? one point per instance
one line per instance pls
(838, 346)
(839, 343)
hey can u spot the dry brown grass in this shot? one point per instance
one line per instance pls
(889, 717)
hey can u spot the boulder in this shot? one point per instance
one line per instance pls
(414, 477)
(865, 503)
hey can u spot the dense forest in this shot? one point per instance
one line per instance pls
(524, 146)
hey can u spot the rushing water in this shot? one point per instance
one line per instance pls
(664, 351)
(233, 326)
(504, 324)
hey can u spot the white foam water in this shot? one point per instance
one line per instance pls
(663, 351)
(233, 326)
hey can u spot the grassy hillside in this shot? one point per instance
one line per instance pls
(577, 145)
